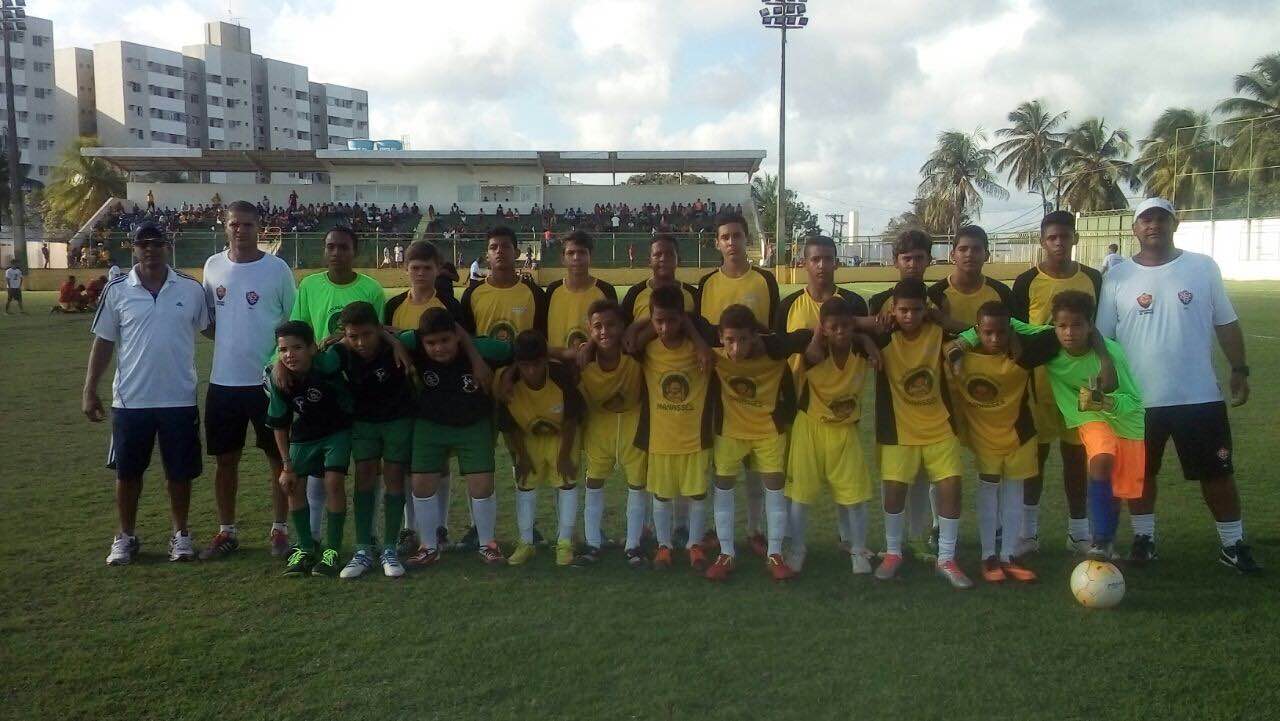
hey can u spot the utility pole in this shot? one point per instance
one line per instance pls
(837, 226)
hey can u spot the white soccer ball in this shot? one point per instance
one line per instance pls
(1097, 584)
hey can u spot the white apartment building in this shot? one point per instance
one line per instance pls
(34, 99)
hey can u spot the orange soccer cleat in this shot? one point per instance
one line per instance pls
(1018, 572)
(662, 558)
(697, 558)
(720, 570)
(992, 572)
(778, 568)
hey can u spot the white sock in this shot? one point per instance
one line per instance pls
(282, 527)
(663, 521)
(724, 512)
(918, 510)
(526, 512)
(697, 521)
(1078, 528)
(442, 500)
(1231, 532)
(798, 524)
(1144, 524)
(427, 512)
(592, 516)
(842, 525)
(988, 517)
(948, 529)
(315, 499)
(755, 503)
(680, 513)
(636, 502)
(1012, 515)
(485, 513)
(893, 527)
(566, 512)
(775, 509)
(857, 519)
(227, 528)
(1030, 519)
(933, 503)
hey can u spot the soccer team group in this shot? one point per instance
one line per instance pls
(683, 390)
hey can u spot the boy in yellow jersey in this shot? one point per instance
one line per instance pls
(540, 422)
(757, 403)
(966, 288)
(824, 437)
(565, 321)
(664, 258)
(1033, 293)
(675, 423)
(504, 303)
(738, 282)
(914, 430)
(612, 386)
(992, 397)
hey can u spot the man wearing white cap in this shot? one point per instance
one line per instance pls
(1165, 308)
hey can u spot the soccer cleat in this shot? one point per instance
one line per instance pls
(327, 565)
(778, 568)
(720, 570)
(1018, 572)
(1027, 546)
(522, 554)
(123, 550)
(359, 564)
(1078, 546)
(442, 537)
(1143, 550)
(889, 565)
(424, 557)
(470, 541)
(992, 572)
(635, 558)
(662, 558)
(795, 556)
(491, 554)
(860, 561)
(223, 544)
(950, 571)
(407, 544)
(758, 545)
(1099, 552)
(697, 558)
(1240, 557)
(918, 549)
(391, 566)
(279, 541)
(564, 552)
(299, 563)
(590, 556)
(181, 548)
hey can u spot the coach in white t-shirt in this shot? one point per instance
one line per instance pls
(249, 293)
(1166, 308)
(149, 318)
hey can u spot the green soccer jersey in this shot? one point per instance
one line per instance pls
(381, 390)
(449, 393)
(320, 300)
(318, 405)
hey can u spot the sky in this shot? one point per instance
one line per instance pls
(869, 84)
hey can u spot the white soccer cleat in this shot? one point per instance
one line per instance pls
(359, 564)
(861, 562)
(795, 555)
(1078, 546)
(1026, 546)
(181, 548)
(391, 566)
(123, 550)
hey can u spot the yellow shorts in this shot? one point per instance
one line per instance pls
(544, 452)
(767, 455)
(903, 463)
(1049, 424)
(826, 454)
(677, 474)
(608, 443)
(1019, 465)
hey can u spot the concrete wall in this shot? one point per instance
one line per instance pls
(438, 184)
(1244, 249)
(586, 196)
(174, 195)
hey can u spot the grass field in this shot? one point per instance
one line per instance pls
(233, 640)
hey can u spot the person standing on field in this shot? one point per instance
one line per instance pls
(249, 292)
(13, 283)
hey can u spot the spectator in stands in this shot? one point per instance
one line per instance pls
(151, 202)
(293, 200)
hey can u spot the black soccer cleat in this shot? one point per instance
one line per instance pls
(470, 541)
(1240, 557)
(1143, 550)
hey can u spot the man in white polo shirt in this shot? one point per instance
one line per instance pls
(1166, 308)
(249, 293)
(149, 318)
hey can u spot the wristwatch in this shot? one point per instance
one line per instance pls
(1240, 371)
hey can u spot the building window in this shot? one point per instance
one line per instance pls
(42, 92)
(18, 63)
(40, 40)
(215, 79)
(215, 122)
(299, 95)
(135, 87)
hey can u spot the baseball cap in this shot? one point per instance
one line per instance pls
(1150, 203)
(148, 231)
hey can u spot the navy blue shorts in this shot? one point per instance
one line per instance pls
(133, 437)
(1201, 434)
(228, 413)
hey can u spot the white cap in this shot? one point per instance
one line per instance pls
(1150, 203)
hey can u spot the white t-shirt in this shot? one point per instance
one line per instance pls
(1112, 259)
(155, 339)
(248, 301)
(475, 270)
(1165, 316)
(398, 253)
(13, 277)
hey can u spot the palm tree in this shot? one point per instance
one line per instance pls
(1031, 145)
(1254, 129)
(956, 176)
(764, 194)
(1093, 166)
(1262, 84)
(79, 186)
(1178, 156)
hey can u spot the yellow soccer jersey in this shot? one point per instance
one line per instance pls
(882, 302)
(676, 415)
(542, 412)
(829, 393)
(964, 306)
(992, 391)
(636, 302)
(756, 289)
(912, 401)
(1033, 291)
(501, 313)
(404, 314)
(757, 395)
(799, 311)
(566, 316)
(620, 390)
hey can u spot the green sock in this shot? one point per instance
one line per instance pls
(392, 517)
(365, 501)
(301, 518)
(333, 528)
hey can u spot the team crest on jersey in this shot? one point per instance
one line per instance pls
(843, 408)
(252, 297)
(503, 331)
(743, 387)
(314, 395)
(1224, 454)
(1185, 296)
(544, 427)
(575, 338)
(982, 391)
(335, 323)
(430, 379)
(1144, 300)
(380, 374)
(675, 388)
(469, 384)
(221, 292)
(918, 385)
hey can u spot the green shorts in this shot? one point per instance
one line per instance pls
(391, 441)
(432, 444)
(314, 458)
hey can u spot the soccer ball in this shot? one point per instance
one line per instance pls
(1097, 584)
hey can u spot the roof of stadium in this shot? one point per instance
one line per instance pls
(323, 161)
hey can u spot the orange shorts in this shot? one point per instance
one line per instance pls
(1130, 466)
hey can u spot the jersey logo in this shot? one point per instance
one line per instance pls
(1224, 454)
(314, 395)
(842, 408)
(1185, 296)
(675, 388)
(431, 379)
(1144, 300)
(252, 297)
(544, 427)
(335, 324)
(469, 384)
(503, 330)
(575, 338)
(982, 391)
(744, 387)
(380, 374)
(221, 292)
(918, 385)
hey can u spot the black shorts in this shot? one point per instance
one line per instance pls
(229, 411)
(1201, 434)
(15, 294)
(133, 437)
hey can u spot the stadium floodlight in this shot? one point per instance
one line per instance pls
(13, 20)
(782, 15)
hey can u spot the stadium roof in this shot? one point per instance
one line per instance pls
(323, 161)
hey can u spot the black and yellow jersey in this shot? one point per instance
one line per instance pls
(501, 313)
(882, 302)
(402, 314)
(676, 415)
(757, 395)
(800, 311)
(964, 307)
(620, 390)
(565, 322)
(830, 393)
(1034, 289)
(913, 404)
(757, 289)
(636, 302)
(542, 411)
(993, 397)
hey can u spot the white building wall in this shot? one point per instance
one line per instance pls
(439, 185)
(173, 195)
(40, 137)
(1243, 249)
(586, 197)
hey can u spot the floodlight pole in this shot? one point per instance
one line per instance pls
(779, 234)
(13, 151)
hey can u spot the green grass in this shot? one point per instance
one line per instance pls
(234, 640)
